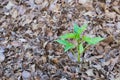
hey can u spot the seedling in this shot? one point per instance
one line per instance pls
(79, 38)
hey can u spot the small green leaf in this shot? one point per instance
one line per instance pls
(87, 39)
(92, 41)
(76, 28)
(67, 47)
(97, 40)
(67, 44)
(81, 48)
(68, 35)
(64, 42)
(79, 30)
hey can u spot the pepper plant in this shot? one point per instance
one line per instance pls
(79, 38)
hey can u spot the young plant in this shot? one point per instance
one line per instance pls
(77, 36)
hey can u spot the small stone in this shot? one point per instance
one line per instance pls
(26, 74)
(90, 72)
(9, 5)
(63, 79)
(14, 13)
(38, 1)
(118, 25)
(72, 57)
(2, 57)
(83, 1)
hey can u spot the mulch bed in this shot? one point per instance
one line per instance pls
(28, 29)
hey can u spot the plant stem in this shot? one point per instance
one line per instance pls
(72, 51)
(78, 50)
(78, 56)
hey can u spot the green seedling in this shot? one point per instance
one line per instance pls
(79, 38)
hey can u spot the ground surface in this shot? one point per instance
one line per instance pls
(28, 29)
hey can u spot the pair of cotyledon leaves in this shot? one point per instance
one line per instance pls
(77, 35)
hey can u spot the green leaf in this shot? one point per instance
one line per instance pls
(68, 35)
(87, 39)
(64, 42)
(92, 41)
(77, 37)
(76, 28)
(67, 44)
(79, 30)
(81, 48)
(67, 47)
(97, 40)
